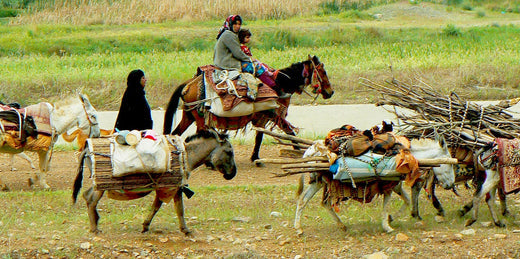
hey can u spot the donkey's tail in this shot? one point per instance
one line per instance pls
(299, 191)
(172, 109)
(78, 182)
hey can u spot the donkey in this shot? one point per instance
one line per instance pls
(204, 148)
(62, 116)
(318, 181)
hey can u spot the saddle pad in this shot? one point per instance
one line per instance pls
(230, 100)
(241, 109)
(41, 113)
(509, 164)
(364, 167)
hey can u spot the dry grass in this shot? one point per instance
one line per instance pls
(143, 11)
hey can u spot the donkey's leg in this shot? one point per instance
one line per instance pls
(44, 157)
(155, 207)
(92, 198)
(404, 196)
(179, 208)
(503, 204)
(24, 156)
(416, 190)
(490, 184)
(256, 150)
(304, 198)
(386, 216)
(490, 200)
(3, 186)
(436, 203)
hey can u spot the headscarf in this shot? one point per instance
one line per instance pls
(228, 24)
(134, 113)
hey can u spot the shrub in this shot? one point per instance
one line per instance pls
(451, 30)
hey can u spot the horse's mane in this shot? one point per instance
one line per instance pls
(205, 134)
(291, 78)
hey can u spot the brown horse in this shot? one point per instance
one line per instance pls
(291, 80)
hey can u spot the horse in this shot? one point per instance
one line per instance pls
(204, 148)
(424, 148)
(488, 182)
(62, 116)
(291, 80)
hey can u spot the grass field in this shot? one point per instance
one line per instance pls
(450, 47)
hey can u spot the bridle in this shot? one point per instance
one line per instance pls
(313, 78)
(491, 155)
(91, 120)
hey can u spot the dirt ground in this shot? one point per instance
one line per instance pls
(322, 239)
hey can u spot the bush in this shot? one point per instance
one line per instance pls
(451, 30)
(8, 13)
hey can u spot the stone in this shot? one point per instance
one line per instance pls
(486, 223)
(468, 232)
(85, 245)
(500, 236)
(401, 237)
(275, 214)
(378, 255)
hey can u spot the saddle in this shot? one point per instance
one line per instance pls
(233, 87)
(12, 120)
(509, 164)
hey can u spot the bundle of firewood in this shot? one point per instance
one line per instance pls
(461, 122)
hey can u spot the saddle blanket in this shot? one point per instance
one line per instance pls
(509, 164)
(365, 167)
(41, 114)
(230, 100)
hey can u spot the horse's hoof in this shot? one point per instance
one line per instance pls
(5, 188)
(188, 233)
(506, 213)
(389, 230)
(96, 231)
(461, 213)
(30, 182)
(500, 224)
(144, 230)
(390, 218)
(470, 222)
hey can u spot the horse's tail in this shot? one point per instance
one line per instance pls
(172, 109)
(78, 182)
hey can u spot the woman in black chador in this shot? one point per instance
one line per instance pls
(134, 113)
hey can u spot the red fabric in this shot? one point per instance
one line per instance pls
(509, 164)
(246, 50)
(40, 113)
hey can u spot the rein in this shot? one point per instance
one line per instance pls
(313, 79)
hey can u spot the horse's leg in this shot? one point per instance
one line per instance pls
(179, 208)
(256, 149)
(503, 204)
(386, 216)
(44, 157)
(490, 184)
(404, 196)
(416, 190)
(490, 200)
(155, 207)
(92, 198)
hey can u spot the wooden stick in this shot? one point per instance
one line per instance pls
(306, 165)
(284, 136)
(293, 160)
(437, 161)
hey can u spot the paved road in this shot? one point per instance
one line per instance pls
(312, 120)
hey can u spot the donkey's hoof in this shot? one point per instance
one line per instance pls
(500, 224)
(30, 182)
(470, 222)
(299, 232)
(258, 163)
(5, 188)
(461, 213)
(390, 219)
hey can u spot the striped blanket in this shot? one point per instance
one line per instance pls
(509, 164)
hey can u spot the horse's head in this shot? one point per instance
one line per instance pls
(89, 120)
(316, 76)
(214, 150)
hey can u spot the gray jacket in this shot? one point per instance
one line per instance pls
(228, 54)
